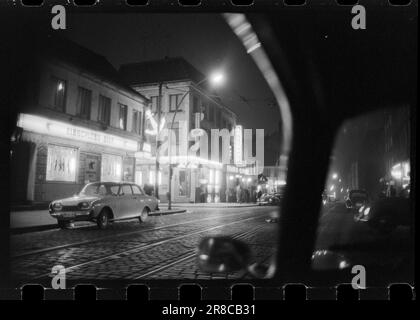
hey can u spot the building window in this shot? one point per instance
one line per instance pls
(111, 168)
(61, 164)
(84, 101)
(137, 122)
(122, 119)
(206, 110)
(174, 100)
(58, 93)
(217, 119)
(195, 105)
(154, 102)
(104, 112)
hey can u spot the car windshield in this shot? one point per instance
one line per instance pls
(99, 189)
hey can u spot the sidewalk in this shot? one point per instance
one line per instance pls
(212, 205)
(38, 220)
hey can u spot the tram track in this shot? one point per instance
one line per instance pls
(143, 247)
(113, 236)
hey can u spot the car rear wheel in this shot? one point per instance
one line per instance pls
(103, 219)
(63, 224)
(144, 215)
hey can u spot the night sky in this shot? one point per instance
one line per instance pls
(205, 40)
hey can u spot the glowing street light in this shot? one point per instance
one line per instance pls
(335, 176)
(217, 78)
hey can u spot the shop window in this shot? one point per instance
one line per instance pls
(128, 169)
(61, 164)
(104, 112)
(139, 178)
(122, 119)
(184, 185)
(84, 101)
(111, 168)
(58, 89)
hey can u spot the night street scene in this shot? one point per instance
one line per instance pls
(213, 147)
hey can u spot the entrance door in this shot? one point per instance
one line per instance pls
(92, 168)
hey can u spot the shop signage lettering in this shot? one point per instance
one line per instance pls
(55, 128)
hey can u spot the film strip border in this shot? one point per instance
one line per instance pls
(191, 292)
(203, 4)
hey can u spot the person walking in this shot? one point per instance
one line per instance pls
(238, 193)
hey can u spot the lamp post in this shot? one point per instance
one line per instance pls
(215, 78)
(158, 111)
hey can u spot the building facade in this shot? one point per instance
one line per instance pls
(184, 106)
(80, 125)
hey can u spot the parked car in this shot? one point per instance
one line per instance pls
(356, 199)
(269, 199)
(103, 202)
(385, 215)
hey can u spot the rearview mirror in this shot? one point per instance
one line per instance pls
(223, 254)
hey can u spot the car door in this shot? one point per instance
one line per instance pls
(126, 202)
(140, 198)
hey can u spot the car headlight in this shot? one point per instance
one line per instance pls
(84, 205)
(361, 209)
(366, 212)
(57, 206)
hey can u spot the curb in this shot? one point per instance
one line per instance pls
(164, 213)
(54, 226)
(221, 207)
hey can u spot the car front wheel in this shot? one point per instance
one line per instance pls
(103, 219)
(144, 215)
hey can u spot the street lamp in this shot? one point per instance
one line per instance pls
(334, 176)
(215, 79)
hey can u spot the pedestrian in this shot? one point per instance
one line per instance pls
(238, 193)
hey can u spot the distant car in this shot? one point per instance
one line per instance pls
(270, 199)
(356, 199)
(103, 202)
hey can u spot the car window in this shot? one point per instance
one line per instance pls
(126, 189)
(136, 189)
(90, 189)
(102, 190)
(114, 189)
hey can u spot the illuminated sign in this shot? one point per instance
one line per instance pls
(237, 148)
(60, 129)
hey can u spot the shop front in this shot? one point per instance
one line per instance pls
(193, 179)
(60, 158)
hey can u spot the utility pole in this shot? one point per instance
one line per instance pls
(159, 107)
